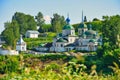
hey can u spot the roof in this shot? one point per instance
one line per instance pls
(59, 35)
(68, 26)
(20, 41)
(61, 40)
(70, 45)
(47, 45)
(92, 40)
(33, 32)
(90, 32)
(41, 45)
(82, 25)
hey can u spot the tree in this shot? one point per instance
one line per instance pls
(26, 22)
(111, 31)
(96, 19)
(11, 33)
(40, 21)
(57, 22)
(96, 25)
(19, 25)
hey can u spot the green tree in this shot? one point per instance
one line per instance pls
(11, 33)
(19, 25)
(96, 25)
(26, 22)
(111, 31)
(40, 21)
(57, 22)
(96, 19)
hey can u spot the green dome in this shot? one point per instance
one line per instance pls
(61, 40)
(90, 32)
(41, 45)
(82, 25)
(68, 26)
(92, 40)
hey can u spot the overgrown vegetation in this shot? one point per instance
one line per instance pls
(59, 67)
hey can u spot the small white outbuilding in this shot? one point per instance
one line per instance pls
(32, 34)
(21, 45)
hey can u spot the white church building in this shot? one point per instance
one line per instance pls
(86, 40)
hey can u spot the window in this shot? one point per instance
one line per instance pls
(22, 48)
(68, 49)
(61, 45)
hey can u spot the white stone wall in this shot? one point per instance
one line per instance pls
(30, 35)
(59, 46)
(33, 35)
(21, 47)
(8, 52)
(68, 32)
(71, 39)
(69, 48)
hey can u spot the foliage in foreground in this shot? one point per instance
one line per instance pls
(59, 67)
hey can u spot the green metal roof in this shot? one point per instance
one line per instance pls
(68, 26)
(90, 32)
(61, 40)
(82, 25)
(41, 45)
(92, 40)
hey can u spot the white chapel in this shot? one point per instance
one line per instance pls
(21, 45)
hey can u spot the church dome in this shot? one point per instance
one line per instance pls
(82, 25)
(92, 40)
(68, 26)
(90, 32)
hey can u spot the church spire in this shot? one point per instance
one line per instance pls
(82, 17)
(68, 19)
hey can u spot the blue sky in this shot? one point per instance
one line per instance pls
(91, 8)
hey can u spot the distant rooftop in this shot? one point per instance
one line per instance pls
(33, 32)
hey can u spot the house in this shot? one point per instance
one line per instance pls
(32, 34)
(86, 40)
(21, 45)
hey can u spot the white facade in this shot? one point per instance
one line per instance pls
(31, 34)
(21, 45)
(67, 32)
(86, 40)
(8, 52)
